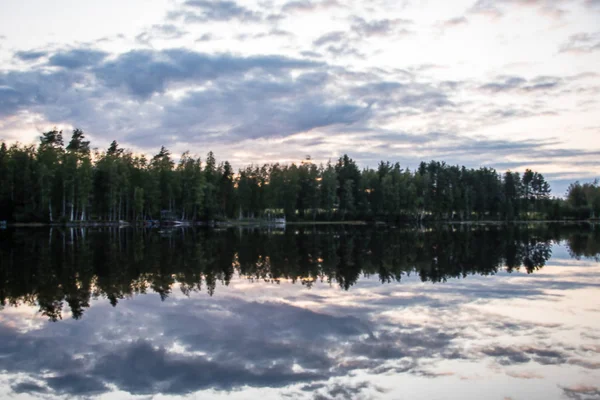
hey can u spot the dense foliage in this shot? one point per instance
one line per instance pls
(56, 182)
(53, 268)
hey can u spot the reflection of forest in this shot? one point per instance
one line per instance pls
(49, 268)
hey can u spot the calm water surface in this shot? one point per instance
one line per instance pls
(302, 313)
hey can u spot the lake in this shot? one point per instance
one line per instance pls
(324, 312)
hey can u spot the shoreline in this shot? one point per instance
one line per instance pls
(236, 223)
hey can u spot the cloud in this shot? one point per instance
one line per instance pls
(261, 109)
(453, 22)
(160, 32)
(77, 58)
(346, 390)
(339, 44)
(145, 72)
(399, 97)
(237, 354)
(524, 375)
(581, 392)
(487, 8)
(76, 383)
(141, 368)
(331, 37)
(344, 49)
(30, 55)
(582, 43)
(206, 37)
(311, 54)
(29, 387)
(517, 83)
(309, 6)
(21, 90)
(275, 32)
(220, 11)
(497, 8)
(380, 27)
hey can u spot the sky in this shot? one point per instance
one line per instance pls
(510, 84)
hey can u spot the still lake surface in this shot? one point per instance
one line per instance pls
(327, 312)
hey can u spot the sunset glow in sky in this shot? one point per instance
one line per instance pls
(511, 84)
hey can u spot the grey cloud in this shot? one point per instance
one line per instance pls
(485, 7)
(280, 32)
(238, 353)
(273, 32)
(520, 355)
(345, 391)
(311, 54)
(509, 83)
(330, 37)
(76, 383)
(339, 43)
(141, 368)
(207, 37)
(77, 58)
(164, 32)
(380, 27)
(426, 67)
(344, 49)
(28, 386)
(146, 72)
(258, 108)
(395, 95)
(457, 21)
(28, 89)
(275, 18)
(309, 6)
(496, 8)
(312, 387)
(30, 55)
(582, 392)
(582, 43)
(205, 11)
(512, 83)
(506, 356)
(427, 101)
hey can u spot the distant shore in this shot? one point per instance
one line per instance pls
(236, 223)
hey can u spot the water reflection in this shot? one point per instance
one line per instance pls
(528, 334)
(73, 266)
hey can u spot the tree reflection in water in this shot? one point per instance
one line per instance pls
(48, 268)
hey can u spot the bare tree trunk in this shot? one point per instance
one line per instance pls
(64, 203)
(72, 201)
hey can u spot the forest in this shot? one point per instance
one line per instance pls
(66, 181)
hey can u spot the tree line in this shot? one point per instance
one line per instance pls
(58, 182)
(69, 267)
